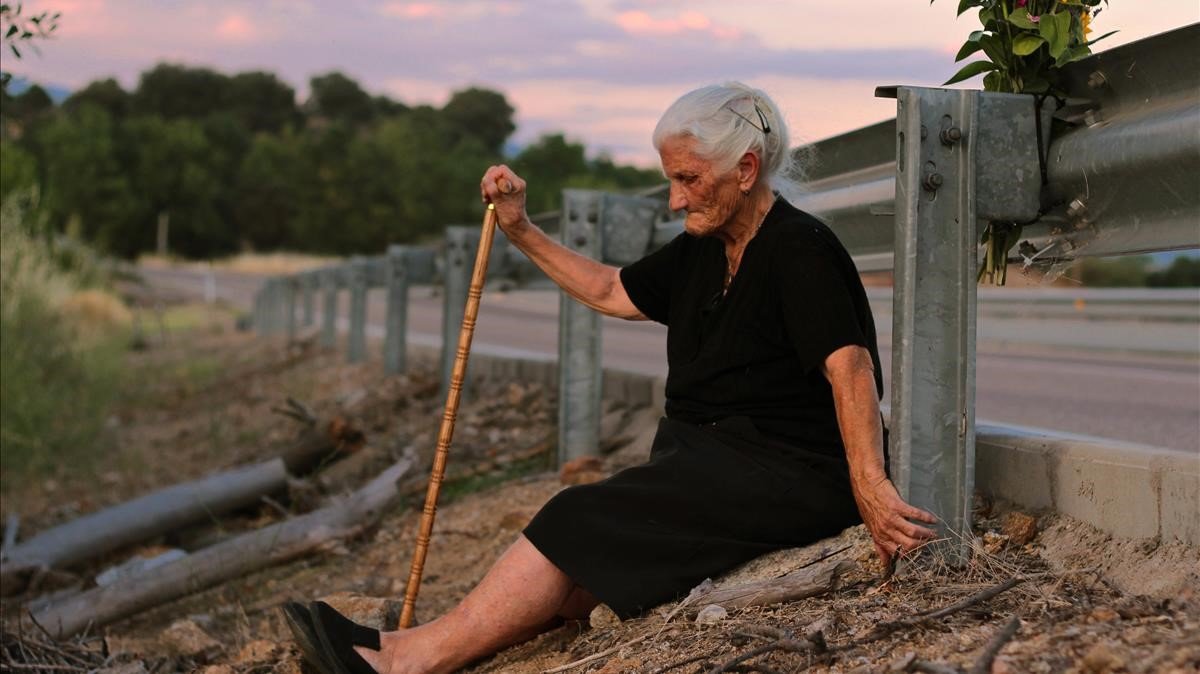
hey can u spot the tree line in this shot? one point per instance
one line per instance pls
(235, 163)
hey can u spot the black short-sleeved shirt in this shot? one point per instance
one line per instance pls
(757, 351)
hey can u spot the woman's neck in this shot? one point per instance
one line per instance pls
(745, 222)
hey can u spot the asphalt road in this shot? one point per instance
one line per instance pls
(1133, 396)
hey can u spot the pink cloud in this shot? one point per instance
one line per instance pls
(411, 10)
(236, 28)
(638, 22)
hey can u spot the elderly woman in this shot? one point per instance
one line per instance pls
(772, 436)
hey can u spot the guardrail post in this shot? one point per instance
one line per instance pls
(961, 155)
(271, 306)
(330, 280)
(257, 313)
(397, 310)
(579, 339)
(356, 350)
(308, 282)
(290, 284)
(934, 304)
(461, 245)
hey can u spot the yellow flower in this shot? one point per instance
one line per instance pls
(1086, 19)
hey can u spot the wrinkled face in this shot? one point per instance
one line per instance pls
(710, 198)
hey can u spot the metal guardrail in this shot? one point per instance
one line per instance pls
(903, 194)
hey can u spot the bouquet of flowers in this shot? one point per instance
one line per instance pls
(1024, 43)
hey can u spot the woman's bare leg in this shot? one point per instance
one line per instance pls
(520, 597)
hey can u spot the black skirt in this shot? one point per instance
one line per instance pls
(710, 497)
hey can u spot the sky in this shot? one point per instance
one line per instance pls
(600, 71)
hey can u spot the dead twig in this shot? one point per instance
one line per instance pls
(977, 598)
(596, 656)
(812, 642)
(984, 664)
(932, 667)
(786, 645)
(883, 629)
(682, 663)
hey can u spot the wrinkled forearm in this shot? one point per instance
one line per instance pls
(592, 283)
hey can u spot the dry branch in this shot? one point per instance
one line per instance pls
(800, 584)
(883, 629)
(984, 664)
(236, 557)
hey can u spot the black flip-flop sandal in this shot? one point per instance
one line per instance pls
(339, 635)
(299, 621)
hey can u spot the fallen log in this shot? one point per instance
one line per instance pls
(236, 557)
(169, 509)
(806, 582)
(142, 518)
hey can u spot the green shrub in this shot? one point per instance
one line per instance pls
(56, 380)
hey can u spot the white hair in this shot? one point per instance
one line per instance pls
(728, 120)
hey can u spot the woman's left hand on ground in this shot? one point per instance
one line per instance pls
(887, 516)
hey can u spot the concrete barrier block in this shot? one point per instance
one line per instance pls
(1179, 493)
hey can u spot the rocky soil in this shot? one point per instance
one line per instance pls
(1082, 601)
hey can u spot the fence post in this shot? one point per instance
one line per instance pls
(461, 245)
(330, 280)
(579, 340)
(397, 310)
(308, 282)
(356, 350)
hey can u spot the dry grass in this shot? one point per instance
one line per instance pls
(266, 264)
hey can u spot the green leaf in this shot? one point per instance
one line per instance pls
(15, 51)
(970, 70)
(994, 48)
(11, 31)
(1024, 45)
(986, 14)
(964, 5)
(1073, 54)
(1035, 85)
(1020, 19)
(970, 46)
(967, 49)
(1056, 31)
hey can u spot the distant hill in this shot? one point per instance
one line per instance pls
(19, 84)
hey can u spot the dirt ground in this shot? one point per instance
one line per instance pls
(204, 401)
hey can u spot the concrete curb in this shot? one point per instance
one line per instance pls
(1124, 489)
(1127, 490)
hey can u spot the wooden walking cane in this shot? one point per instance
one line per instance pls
(450, 413)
